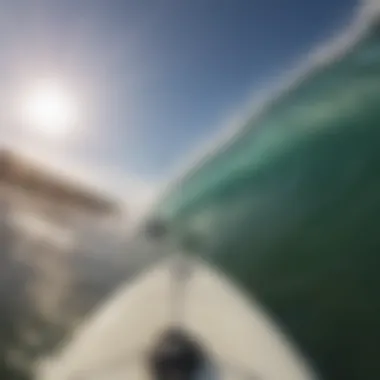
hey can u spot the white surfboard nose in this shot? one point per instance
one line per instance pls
(236, 333)
(239, 333)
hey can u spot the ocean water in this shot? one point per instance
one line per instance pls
(291, 210)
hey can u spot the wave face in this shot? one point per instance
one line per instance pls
(291, 210)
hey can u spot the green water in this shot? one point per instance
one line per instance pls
(291, 210)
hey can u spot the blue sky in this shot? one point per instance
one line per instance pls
(155, 78)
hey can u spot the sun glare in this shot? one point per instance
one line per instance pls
(49, 108)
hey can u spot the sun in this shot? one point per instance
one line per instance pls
(49, 108)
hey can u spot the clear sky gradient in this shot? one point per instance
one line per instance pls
(154, 78)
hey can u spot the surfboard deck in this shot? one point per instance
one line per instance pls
(232, 329)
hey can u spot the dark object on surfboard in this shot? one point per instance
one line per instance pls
(176, 357)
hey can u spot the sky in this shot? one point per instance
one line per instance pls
(152, 79)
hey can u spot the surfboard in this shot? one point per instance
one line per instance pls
(240, 338)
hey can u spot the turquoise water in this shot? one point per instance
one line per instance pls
(291, 210)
